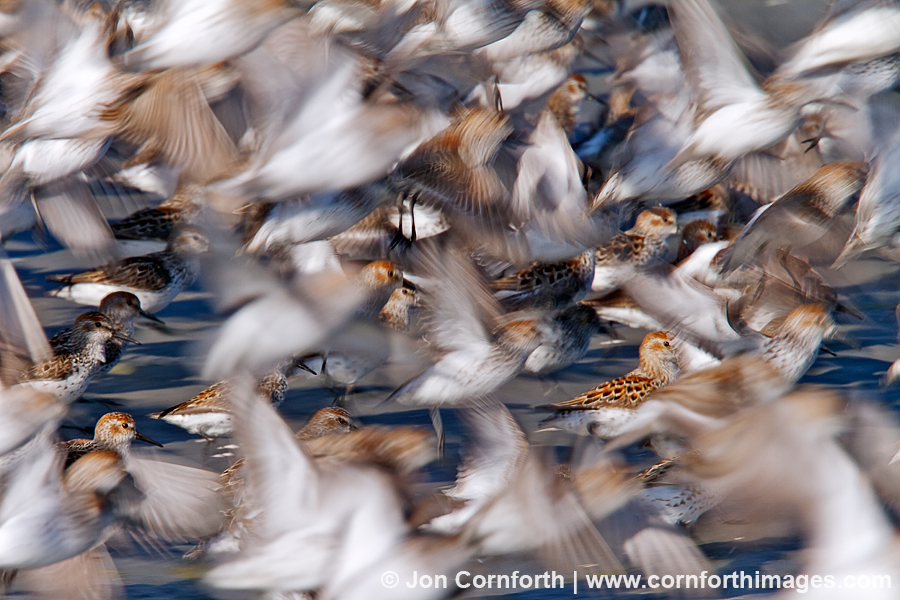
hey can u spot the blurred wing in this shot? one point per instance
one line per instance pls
(866, 30)
(279, 471)
(681, 303)
(68, 208)
(178, 502)
(497, 449)
(879, 205)
(540, 512)
(91, 575)
(461, 308)
(288, 544)
(765, 176)
(274, 320)
(21, 334)
(870, 438)
(710, 58)
(23, 412)
(170, 115)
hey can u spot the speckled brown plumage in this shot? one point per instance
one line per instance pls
(547, 285)
(158, 223)
(658, 367)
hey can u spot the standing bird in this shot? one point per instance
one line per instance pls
(326, 421)
(547, 285)
(69, 371)
(347, 366)
(640, 246)
(604, 410)
(120, 308)
(114, 431)
(156, 279)
(159, 222)
(208, 414)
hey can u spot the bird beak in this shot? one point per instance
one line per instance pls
(147, 315)
(827, 350)
(126, 338)
(144, 438)
(300, 364)
(305, 368)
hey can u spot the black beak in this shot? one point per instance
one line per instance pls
(147, 315)
(300, 364)
(144, 438)
(126, 338)
(305, 368)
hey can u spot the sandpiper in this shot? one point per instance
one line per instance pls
(792, 345)
(476, 367)
(603, 410)
(479, 350)
(67, 374)
(121, 308)
(156, 279)
(114, 431)
(378, 279)
(346, 368)
(157, 223)
(639, 246)
(326, 421)
(565, 102)
(693, 235)
(547, 285)
(208, 414)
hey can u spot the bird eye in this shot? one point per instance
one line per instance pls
(666, 344)
(125, 425)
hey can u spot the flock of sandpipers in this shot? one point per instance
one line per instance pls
(491, 187)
